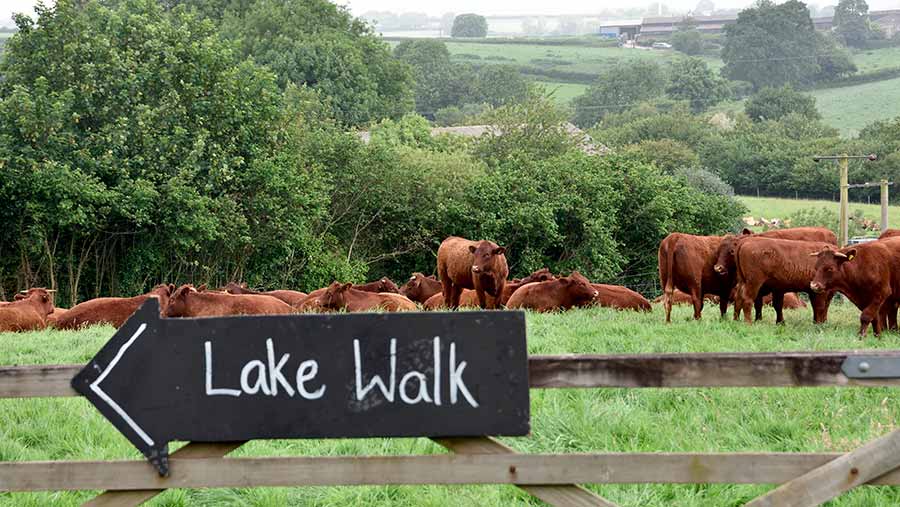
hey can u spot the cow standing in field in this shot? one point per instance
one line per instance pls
(112, 311)
(345, 297)
(686, 263)
(27, 314)
(868, 274)
(291, 297)
(477, 265)
(560, 294)
(778, 266)
(420, 287)
(189, 302)
(726, 256)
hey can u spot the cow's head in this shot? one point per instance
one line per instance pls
(42, 297)
(829, 268)
(578, 288)
(416, 288)
(485, 257)
(541, 275)
(179, 301)
(335, 297)
(387, 285)
(725, 256)
(163, 292)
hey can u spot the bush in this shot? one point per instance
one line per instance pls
(689, 42)
(830, 219)
(551, 62)
(666, 154)
(704, 180)
(775, 103)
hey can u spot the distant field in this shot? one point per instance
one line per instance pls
(851, 108)
(563, 58)
(876, 59)
(563, 93)
(775, 207)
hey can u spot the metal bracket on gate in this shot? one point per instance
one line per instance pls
(871, 367)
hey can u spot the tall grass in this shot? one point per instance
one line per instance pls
(563, 420)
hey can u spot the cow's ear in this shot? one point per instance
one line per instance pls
(499, 251)
(20, 296)
(472, 248)
(346, 286)
(564, 281)
(851, 254)
(171, 288)
(746, 232)
(201, 288)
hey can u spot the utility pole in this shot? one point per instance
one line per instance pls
(844, 163)
(884, 205)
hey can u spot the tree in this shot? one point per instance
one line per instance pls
(691, 79)
(469, 25)
(618, 88)
(689, 42)
(439, 82)
(771, 45)
(447, 23)
(704, 8)
(498, 85)
(136, 148)
(851, 22)
(776, 103)
(317, 44)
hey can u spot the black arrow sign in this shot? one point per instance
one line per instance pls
(310, 376)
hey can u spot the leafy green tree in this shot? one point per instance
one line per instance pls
(619, 88)
(689, 42)
(439, 82)
(851, 22)
(691, 79)
(135, 148)
(834, 60)
(776, 103)
(666, 154)
(317, 44)
(500, 84)
(771, 45)
(469, 25)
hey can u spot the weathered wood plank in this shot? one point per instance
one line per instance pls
(527, 469)
(783, 369)
(853, 469)
(569, 495)
(192, 450)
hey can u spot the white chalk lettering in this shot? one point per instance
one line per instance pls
(210, 391)
(307, 371)
(376, 380)
(275, 376)
(456, 381)
(261, 382)
(437, 370)
(423, 388)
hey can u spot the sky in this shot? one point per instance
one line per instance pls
(503, 7)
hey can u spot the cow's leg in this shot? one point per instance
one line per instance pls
(697, 300)
(455, 293)
(870, 315)
(667, 303)
(482, 298)
(737, 301)
(748, 294)
(892, 316)
(820, 304)
(723, 303)
(757, 307)
(778, 304)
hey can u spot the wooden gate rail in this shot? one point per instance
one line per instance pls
(807, 479)
(521, 469)
(764, 369)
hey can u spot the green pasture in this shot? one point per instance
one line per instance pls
(563, 93)
(563, 420)
(850, 108)
(870, 60)
(776, 207)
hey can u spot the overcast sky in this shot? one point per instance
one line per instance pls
(438, 7)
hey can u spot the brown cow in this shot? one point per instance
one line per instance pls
(345, 297)
(469, 298)
(619, 297)
(378, 286)
(420, 287)
(778, 266)
(464, 264)
(291, 297)
(112, 311)
(868, 274)
(686, 263)
(28, 313)
(726, 261)
(889, 233)
(189, 302)
(563, 293)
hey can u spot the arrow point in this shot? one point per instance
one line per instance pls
(159, 458)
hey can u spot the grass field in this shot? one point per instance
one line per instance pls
(876, 59)
(776, 207)
(853, 107)
(563, 420)
(563, 93)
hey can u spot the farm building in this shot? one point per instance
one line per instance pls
(889, 21)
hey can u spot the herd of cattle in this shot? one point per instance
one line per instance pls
(748, 269)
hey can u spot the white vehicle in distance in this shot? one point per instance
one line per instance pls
(661, 45)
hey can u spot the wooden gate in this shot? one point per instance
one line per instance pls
(805, 479)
